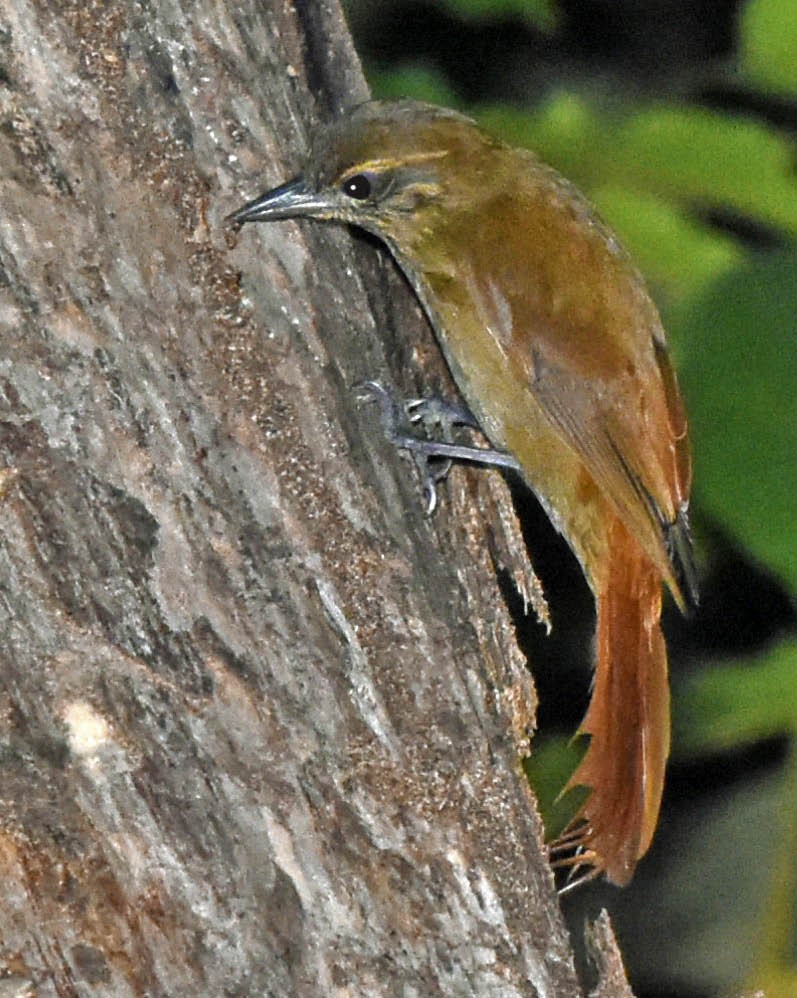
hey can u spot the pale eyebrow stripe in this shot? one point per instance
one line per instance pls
(385, 164)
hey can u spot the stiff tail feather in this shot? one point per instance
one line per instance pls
(628, 721)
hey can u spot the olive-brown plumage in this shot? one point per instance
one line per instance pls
(559, 352)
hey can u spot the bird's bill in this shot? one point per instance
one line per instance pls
(290, 200)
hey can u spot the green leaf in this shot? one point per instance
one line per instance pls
(768, 31)
(739, 371)
(702, 157)
(725, 706)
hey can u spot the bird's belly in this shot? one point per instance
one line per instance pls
(513, 420)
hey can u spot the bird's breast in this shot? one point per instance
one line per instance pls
(474, 324)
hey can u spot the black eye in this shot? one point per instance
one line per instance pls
(357, 187)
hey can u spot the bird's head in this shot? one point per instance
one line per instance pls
(391, 167)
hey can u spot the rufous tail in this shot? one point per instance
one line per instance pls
(628, 722)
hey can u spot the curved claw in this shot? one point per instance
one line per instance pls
(436, 411)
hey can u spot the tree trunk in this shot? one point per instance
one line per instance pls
(260, 718)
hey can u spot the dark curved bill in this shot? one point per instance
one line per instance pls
(287, 201)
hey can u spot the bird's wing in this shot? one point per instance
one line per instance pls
(631, 434)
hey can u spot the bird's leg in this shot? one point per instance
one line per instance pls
(432, 457)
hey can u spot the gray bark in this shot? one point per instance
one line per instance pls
(260, 719)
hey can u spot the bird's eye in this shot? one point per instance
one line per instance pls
(357, 187)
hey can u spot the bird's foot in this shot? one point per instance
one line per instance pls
(433, 458)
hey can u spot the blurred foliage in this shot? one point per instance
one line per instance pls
(769, 44)
(705, 199)
(420, 81)
(739, 346)
(722, 706)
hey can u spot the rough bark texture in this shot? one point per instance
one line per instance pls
(602, 947)
(260, 721)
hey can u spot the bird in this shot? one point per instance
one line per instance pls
(559, 353)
